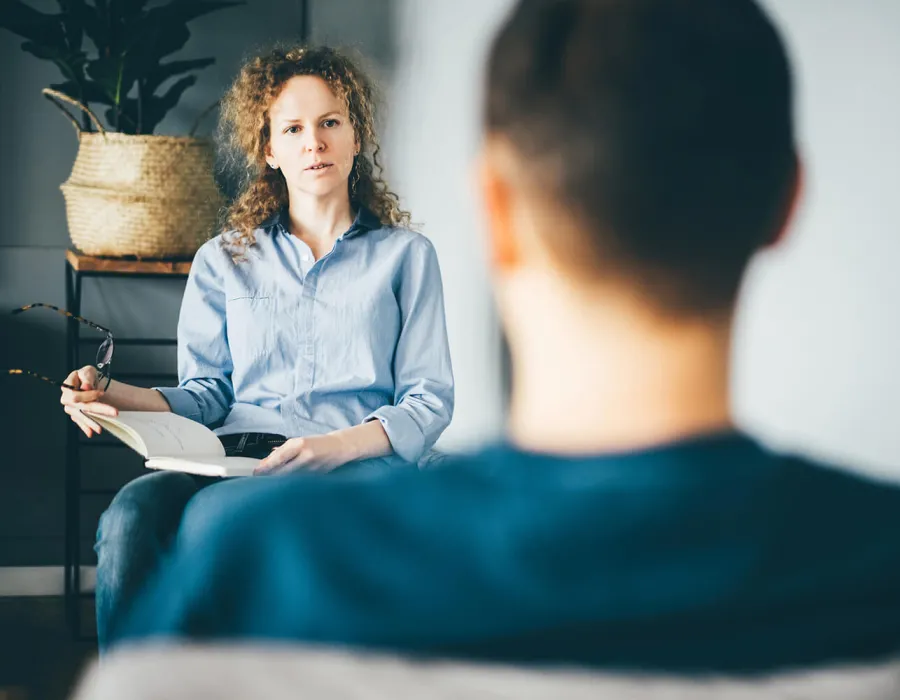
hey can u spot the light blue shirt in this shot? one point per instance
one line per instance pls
(280, 343)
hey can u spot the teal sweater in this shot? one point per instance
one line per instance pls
(708, 555)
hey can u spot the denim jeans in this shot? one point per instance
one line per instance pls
(134, 534)
(151, 515)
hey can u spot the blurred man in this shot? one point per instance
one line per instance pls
(637, 153)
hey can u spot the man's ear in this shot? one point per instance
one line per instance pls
(791, 204)
(497, 200)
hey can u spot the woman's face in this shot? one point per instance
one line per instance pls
(312, 140)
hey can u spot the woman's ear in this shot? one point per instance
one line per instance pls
(269, 157)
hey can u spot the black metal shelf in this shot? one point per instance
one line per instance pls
(98, 492)
(75, 274)
(158, 376)
(132, 341)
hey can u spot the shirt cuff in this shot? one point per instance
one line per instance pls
(406, 437)
(181, 401)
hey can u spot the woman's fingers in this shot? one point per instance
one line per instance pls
(270, 463)
(76, 419)
(280, 457)
(80, 420)
(87, 377)
(102, 409)
(93, 425)
(83, 421)
(75, 403)
(84, 379)
(80, 417)
(69, 397)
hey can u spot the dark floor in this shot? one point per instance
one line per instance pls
(39, 658)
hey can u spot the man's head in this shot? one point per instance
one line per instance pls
(645, 144)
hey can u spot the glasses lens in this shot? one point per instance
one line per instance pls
(104, 353)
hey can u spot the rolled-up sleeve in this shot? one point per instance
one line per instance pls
(423, 376)
(204, 393)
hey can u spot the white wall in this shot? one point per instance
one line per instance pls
(818, 344)
(817, 355)
(433, 122)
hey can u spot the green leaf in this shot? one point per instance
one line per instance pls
(169, 23)
(30, 24)
(74, 59)
(105, 28)
(126, 9)
(72, 11)
(70, 63)
(132, 37)
(186, 10)
(156, 107)
(108, 74)
(169, 70)
(167, 38)
(78, 16)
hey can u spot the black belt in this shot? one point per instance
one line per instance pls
(256, 445)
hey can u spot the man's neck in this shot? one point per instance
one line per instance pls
(592, 375)
(320, 221)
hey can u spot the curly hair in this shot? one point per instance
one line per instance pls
(244, 134)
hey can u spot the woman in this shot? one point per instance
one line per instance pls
(317, 316)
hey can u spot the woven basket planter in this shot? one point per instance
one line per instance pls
(139, 196)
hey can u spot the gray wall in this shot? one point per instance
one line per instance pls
(37, 148)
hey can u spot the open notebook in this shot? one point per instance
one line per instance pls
(172, 442)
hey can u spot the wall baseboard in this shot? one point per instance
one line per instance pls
(17, 581)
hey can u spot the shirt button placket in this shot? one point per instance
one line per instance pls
(307, 341)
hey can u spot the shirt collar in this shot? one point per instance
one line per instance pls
(275, 220)
(365, 221)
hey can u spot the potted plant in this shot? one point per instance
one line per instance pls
(131, 193)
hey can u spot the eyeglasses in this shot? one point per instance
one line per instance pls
(104, 352)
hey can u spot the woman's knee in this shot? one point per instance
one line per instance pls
(152, 503)
(207, 510)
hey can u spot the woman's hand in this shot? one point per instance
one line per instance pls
(88, 399)
(317, 453)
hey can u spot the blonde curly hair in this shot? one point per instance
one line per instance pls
(244, 134)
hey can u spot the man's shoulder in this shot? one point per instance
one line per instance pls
(498, 470)
(821, 489)
(365, 487)
(499, 486)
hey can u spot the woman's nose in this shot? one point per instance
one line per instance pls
(314, 143)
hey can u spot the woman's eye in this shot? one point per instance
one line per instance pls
(292, 129)
(330, 123)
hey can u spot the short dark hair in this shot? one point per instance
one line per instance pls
(664, 126)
